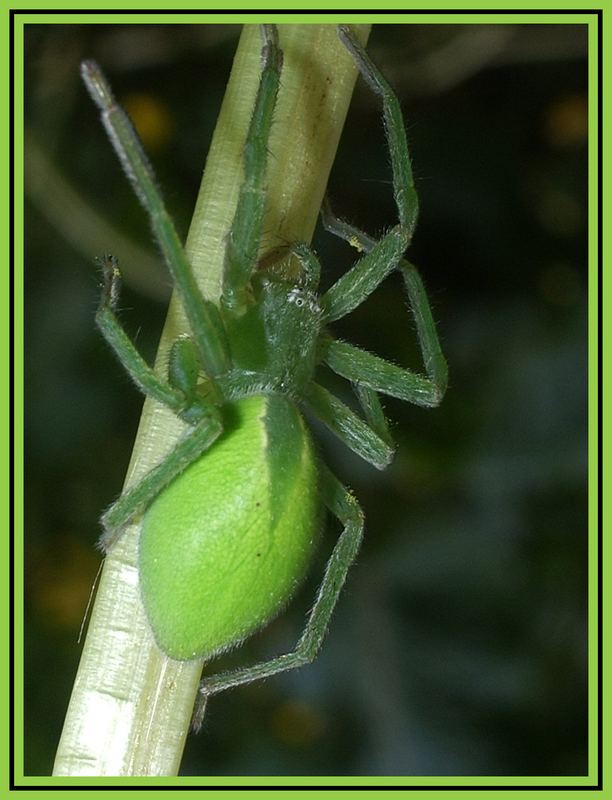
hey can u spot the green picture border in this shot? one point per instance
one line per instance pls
(14, 17)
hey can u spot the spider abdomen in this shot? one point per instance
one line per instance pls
(210, 579)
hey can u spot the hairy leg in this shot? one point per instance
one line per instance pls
(342, 505)
(134, 502)
(348, 427)
(353, 288)
(373, 412)
(133, 363)
(433, 359)
(204, 317)
(245, 232)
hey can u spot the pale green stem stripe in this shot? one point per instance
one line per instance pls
(131, 706)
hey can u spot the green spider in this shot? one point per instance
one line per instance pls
(230, 518)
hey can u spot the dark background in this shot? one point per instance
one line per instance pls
(459, 644)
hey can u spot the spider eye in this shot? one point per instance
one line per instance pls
(303, 298)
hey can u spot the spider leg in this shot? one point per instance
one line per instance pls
(364, 277)
(433, 359)
(342, 505)
(204, 317)
(369, 370)
(403, 182)
(352, 289)
(135, 500)
(362, 439)
(373, 411)
(133, 363)
(245, 232)
(360, 240)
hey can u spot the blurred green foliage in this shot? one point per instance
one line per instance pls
(459, 645)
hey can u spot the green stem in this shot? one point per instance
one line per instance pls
(131, 705)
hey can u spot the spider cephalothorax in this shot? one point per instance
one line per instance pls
(230, 517)
(274, 340)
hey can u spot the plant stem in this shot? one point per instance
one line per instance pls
(131, 705)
